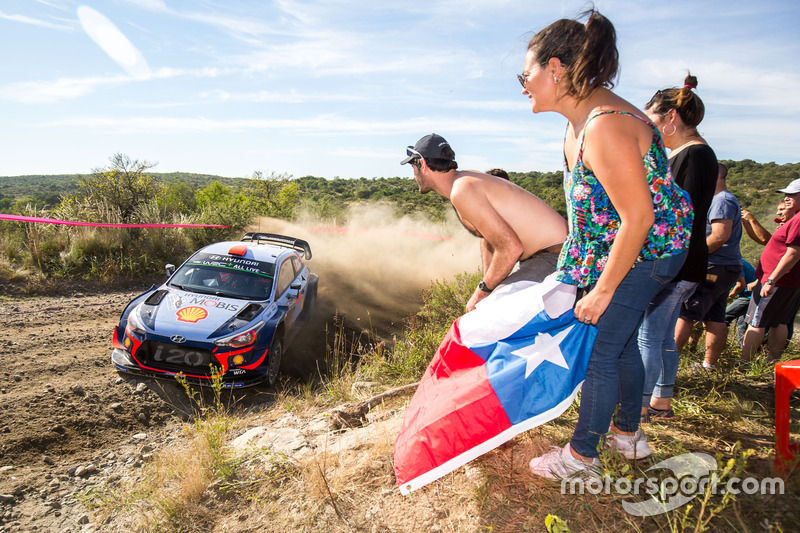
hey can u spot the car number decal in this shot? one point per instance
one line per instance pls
(177, 355)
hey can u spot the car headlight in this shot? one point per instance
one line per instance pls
(241, 339)
(135, 323)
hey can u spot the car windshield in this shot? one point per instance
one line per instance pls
(233, 277)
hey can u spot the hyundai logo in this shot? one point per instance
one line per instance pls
(178, 339)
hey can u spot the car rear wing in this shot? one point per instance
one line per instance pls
(298, 244)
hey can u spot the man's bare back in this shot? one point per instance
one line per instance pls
(537, 225)
(513, 223)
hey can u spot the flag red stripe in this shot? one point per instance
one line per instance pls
(454, 409)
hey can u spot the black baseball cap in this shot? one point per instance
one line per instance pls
(432, 146)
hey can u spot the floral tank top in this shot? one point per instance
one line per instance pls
(593, 221)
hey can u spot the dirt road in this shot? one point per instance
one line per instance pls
(64, 407)
(71, 422)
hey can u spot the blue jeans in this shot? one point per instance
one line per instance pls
(615, 375)
(657, 340)
(734, 313)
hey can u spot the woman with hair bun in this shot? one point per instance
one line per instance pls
(677, 112)
(629, 227)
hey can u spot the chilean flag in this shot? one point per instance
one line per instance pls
(517, 361)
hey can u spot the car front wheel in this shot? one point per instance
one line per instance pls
(275, 355)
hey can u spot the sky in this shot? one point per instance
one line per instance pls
(339, 88)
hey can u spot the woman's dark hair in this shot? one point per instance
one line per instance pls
(587, 51)
(683, 100)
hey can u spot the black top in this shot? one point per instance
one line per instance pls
(695, 170)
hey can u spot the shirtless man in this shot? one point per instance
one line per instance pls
(517, 227)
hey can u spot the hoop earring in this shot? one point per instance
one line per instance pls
(674, 129)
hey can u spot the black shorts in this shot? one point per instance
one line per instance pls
(535, 268)
(776, 309)
(708, 301)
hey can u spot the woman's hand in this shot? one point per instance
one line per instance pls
(591, 307)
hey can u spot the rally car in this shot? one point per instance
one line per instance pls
(229, 311)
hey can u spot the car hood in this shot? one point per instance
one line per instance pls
(195, 316)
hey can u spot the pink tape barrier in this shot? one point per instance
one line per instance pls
(41, 220)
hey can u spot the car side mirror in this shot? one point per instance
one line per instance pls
(170, 269)
(294, 292)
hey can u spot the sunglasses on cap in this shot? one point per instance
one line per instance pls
(413, 153)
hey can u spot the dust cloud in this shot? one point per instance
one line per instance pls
(373, 267)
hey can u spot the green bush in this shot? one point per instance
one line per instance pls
(442, 304)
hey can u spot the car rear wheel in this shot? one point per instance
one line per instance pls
(275, 355)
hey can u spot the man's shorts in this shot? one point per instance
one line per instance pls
(535, 268)
(776, 309)
(708, 302)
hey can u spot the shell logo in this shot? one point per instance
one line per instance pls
(191, 314)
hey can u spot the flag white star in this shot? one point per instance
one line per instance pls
(544, 348)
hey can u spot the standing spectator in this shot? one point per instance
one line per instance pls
(707, 304)
(742, 291)
(677, 112)
(619, 190)
(776, 296)
(755, 230)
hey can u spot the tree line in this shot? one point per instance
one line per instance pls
(126, 190)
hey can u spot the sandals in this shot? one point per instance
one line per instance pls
(660, 413)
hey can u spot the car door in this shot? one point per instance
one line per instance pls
(286, 295)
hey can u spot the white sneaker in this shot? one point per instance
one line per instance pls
(630, 446)
(559, 463)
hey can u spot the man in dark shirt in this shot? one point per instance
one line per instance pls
(707, 303)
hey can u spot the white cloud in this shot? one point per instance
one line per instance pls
(287, 97)
(52, 91)
(48, 92)
(321, 125)
(150, 5)
(35, 22)
(727, 83)
(113, 42)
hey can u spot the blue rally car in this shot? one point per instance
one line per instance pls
(230, 311)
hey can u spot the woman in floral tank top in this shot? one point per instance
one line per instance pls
(593, 220)
(629, 227)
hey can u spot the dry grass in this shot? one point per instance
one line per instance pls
(354, 489)
(341, 488)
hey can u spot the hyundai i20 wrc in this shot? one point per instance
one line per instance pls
(228, 312)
